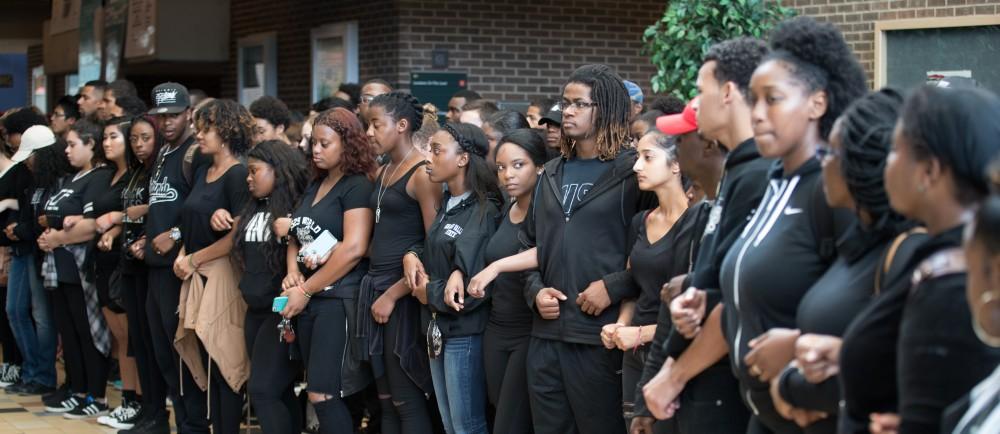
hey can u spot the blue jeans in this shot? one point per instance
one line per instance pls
(31, 321)
(460, 385)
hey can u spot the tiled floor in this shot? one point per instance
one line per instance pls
(26, 414)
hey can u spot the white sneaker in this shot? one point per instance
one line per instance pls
(10, 376)
(123, 417)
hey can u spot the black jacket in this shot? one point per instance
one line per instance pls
(457, 241)
(586, 246)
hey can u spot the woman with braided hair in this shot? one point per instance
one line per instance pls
(439, 270)
(404, 204)
(873, 252)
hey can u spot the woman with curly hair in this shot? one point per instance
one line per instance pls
(224, 130)
(328, 240)
(278, 176)
(797, 92)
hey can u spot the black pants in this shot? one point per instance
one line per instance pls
(574, 388)
(11, 354)
(711, 403)
(633, 362)
(504, 358)
(409, 411)
(88, 367)
(161, 308)
(154, 389)
(225, 405)
(322, 337)
(272, 375)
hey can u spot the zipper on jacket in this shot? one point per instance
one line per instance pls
(753, 407)
(780, 194)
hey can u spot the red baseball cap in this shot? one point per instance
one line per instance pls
(681, 123)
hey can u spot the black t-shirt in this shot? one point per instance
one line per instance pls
(259, 282)
(510, 315)
(309, 221)
(108, 199)
(654, 264)
(577, 179)
(168, 188)
(229, 192)
(136, 193)
(75, 196)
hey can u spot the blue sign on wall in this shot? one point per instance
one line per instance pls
(13, 80)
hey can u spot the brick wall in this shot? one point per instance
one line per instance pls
(857, 18)
(377, 29)
(521, 49)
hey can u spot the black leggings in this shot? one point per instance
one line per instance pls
(407, 410)
(87, 366)
(272, 375)
(633, 363)
(11, 354)
(154, 389)
(504, 358)
(322, 336)
(225, 404)
(161, 308)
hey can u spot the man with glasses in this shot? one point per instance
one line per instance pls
(369, 91)
(64, 115)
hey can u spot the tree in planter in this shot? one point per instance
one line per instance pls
(679, 40)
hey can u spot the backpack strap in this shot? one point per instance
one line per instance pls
(890, 255)
(187, 165)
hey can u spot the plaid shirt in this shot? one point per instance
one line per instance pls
(98, 327)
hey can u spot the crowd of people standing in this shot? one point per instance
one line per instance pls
(788, 252)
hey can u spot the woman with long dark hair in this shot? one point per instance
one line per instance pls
(328, 239)
(278, 175)
(936, 174)
(106, 210)
(211, 309)
(31, 315)
(145, 142)
(453, 253)
(404, 202)
(75, 300)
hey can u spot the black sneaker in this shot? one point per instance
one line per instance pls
(56, 397)
(87, 409)
(150, 425)
(10, 376)
(15, 389)
(124, 416)
(67, 405)
(35, 389)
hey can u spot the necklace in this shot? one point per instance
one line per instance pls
(382, 188)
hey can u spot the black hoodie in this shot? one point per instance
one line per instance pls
(588, 244)
(457, 241)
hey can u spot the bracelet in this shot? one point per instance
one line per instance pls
(191, 261)
(305, 293)
(638, 341)
(411, 252)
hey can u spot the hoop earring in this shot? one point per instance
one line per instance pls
(986, 299)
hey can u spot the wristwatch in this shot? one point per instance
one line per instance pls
(175, 233)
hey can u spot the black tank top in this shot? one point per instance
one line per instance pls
(400, 224)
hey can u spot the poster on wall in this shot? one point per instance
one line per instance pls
(140, 30)
(334, 58)
(114, 36)
(90, 42)
(65, 16)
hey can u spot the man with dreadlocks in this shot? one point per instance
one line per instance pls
(579, 222)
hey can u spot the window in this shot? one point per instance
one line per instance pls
(912, 52)
(257, 66)
(38, 92)
(334, 58)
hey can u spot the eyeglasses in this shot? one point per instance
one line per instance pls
(576, 105)
(826, 151)
(58, 115)
(367, 99)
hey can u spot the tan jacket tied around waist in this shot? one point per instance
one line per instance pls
(212, 310)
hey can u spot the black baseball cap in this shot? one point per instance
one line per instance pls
(170, 98)
(554, 117)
